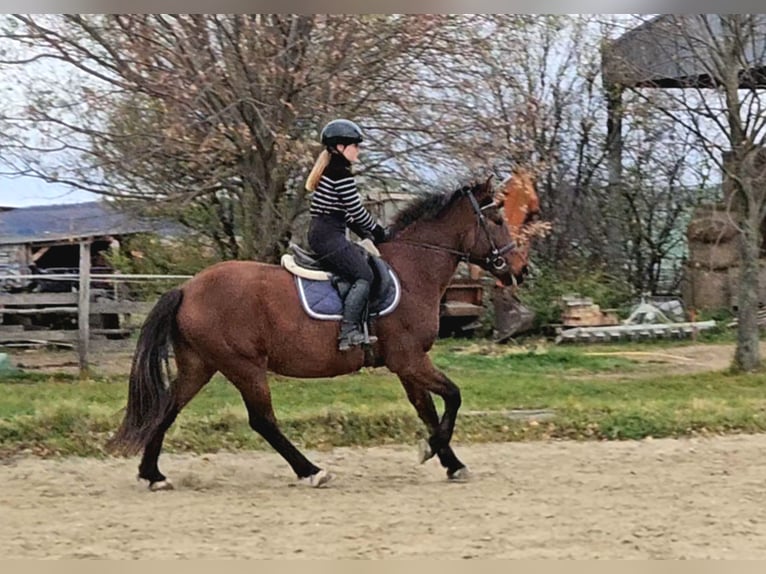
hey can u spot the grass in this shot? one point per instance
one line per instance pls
(592, 397)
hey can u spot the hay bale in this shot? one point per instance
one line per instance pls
(705, 289)
(711, 224)
(714, 256)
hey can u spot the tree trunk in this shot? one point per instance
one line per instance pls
(614, 147)
(747, 356)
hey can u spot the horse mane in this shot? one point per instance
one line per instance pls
(428, 206)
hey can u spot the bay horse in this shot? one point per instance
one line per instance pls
(243, 319)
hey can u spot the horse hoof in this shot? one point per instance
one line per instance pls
(161, 485)
(317, 480)
(460, 475)
(424, 451)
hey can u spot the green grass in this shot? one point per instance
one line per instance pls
(592, 397)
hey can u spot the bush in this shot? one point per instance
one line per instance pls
(152, 255)
(543, 291)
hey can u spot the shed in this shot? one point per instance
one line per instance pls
(672, 51)
(49, 236)
(668, 51)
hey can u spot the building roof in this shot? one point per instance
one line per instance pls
(672, 51)
(57, 223)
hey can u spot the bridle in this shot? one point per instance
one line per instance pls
(495, 258)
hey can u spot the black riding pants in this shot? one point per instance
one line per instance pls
(327, 238)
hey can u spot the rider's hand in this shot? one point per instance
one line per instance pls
(380, 234)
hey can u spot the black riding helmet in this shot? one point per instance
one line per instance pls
(341, 131)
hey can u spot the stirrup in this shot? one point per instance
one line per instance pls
(354, 338)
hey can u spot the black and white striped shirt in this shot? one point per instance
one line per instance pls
(337, 193)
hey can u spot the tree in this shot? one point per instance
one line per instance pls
(212, 117)
(715, 63)
(536, 98)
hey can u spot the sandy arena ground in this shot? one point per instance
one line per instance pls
(698, 498)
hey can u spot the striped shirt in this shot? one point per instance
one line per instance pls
(337, 193)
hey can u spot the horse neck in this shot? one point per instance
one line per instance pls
(430, 265)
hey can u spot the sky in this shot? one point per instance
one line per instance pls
(27, 191)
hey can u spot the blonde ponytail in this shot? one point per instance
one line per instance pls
(323, 159)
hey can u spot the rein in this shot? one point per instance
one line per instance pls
(495, 258)
(462, 255)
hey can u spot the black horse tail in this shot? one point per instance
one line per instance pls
(149, 394)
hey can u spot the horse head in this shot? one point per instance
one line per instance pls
(491, 244)
(519, 199)
(473, 222)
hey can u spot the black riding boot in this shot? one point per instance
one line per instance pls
(351, 332)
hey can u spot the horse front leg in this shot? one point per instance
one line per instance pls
(418, 383)
(424, 405)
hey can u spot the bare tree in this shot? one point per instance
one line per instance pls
(714, 64)
(537, 99)
(212, 117)
(665, 175)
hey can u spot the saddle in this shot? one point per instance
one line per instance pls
(322, 292)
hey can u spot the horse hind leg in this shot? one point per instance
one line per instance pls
(253, 385)
(192, 375)
(148, 469)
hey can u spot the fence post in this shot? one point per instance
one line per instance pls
(83, 309)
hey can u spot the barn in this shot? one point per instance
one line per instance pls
(47, 238)
(668, 52)
(47, 255)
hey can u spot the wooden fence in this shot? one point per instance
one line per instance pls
(86, 303)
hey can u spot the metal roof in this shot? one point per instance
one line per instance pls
(672, 51)
(71, 222)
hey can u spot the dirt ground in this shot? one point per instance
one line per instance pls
(695, 498)
(688, 358)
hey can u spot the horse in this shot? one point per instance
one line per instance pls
(521, 209)
(243, 319)
(521, 203)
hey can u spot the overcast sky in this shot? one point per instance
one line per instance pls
(26, 191)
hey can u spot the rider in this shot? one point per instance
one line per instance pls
(336, 205)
